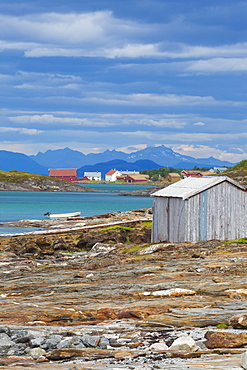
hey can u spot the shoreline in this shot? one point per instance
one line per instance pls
(57, 226)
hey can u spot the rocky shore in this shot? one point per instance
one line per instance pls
(42, 183)
(101, 296)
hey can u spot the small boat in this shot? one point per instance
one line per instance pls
(62, 215)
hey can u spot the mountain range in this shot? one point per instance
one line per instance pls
(162, 155)
(145, 159)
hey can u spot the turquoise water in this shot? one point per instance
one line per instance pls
(20, 205)
(117, 187)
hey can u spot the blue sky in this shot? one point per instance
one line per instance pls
(124, 74)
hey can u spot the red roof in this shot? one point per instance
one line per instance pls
(63, 172)
(111, 172)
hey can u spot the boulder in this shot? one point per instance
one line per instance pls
(36, 353)
(239, 321)
(91, 340)
(5, 341)
(184, 344)
(158, 346)
(225, 339)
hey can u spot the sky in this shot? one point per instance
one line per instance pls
(94, 75)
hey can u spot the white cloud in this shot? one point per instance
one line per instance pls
(152, 100)
(51, 119)
(163, 123)
(218, 65)
(199, 124)
(102, 120)
(23, 131)
(204, 151)
(199, 137)
(100, 34)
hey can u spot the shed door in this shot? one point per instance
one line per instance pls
(203, 215)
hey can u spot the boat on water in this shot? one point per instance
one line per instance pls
(62, 215)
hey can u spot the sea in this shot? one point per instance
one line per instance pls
(28, 205)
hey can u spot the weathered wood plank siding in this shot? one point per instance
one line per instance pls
(226, 212)
(168, 219)
(192, 218)
(176, 219)
(160, 220)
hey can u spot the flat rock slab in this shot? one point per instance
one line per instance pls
(102, 294)
(225, 339)
(215, 362)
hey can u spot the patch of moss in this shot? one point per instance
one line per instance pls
(134, 248)
(222, 326)
(117, 227)
(147, 224)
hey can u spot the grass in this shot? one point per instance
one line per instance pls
(117, 227)
(134, 248)
(240, 166)
(20, 177)
(147, 224)
(239, 241)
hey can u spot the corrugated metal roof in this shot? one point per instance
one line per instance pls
(190, 186)
(63, 172)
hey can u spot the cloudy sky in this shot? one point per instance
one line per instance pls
(93, 75)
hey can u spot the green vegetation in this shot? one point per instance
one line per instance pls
(239, 166)
(20, 177)
(221, 326)
(239, 241)
(117, 227)
(134, 248)
(147, 224)
(158, 173)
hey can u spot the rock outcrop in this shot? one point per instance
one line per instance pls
(121, 304)
(22, 181)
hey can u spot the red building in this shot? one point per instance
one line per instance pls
(69, 174)
(134, 178)
(191, 174)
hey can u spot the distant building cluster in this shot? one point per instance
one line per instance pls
(126, 176)
(70, 174)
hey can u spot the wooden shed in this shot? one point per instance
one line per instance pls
(200, 209)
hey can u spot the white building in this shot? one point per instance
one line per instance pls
(96, 176)
(112, 175)
(218, 169)
(127, 172)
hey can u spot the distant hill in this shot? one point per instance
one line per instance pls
(120, 165)
(238, 173)
(242, 166)
(20, 162)
(24, 181)
(161, 155)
